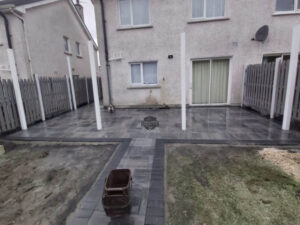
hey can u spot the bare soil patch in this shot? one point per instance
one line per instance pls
(288, 161)
(221, 184)
(41, 182)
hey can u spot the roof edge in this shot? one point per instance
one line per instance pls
(22, 9)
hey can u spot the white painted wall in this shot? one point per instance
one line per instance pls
(169, 18)
(45, 27)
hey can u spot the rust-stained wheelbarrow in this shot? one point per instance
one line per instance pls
(116, 194)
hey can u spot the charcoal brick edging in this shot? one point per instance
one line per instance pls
(155, 214)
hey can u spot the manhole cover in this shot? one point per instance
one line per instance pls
(150, 123)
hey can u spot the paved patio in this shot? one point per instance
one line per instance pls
(139, 147)
(218, 123)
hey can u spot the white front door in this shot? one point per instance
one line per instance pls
(210, 81)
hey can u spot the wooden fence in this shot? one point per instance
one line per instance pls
(55, 96)
(9, 119)
(30, 101)
(258, 89)
(80, 91)
(90, 89)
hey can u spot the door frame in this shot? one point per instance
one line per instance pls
(228, 84)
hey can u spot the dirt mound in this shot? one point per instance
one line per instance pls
(288, 161)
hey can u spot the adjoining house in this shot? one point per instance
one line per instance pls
(143, 47)
(42, 33)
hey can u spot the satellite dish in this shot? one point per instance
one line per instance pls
(262, 34)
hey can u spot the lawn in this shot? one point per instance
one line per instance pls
(41, 182)
(220, 184)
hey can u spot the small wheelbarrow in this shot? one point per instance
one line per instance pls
(116, 193)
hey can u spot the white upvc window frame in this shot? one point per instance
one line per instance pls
(78, 48)
(296, 10)
(131, 17)
(66, 39)
(142, 73)
(204, 17)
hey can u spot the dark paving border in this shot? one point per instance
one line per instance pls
(57, 139)
(155, 214)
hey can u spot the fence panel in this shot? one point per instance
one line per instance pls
(258, 87)
(80, 91)
(9, 119)
(296, 106)
(55, 96)
(281, 87)
(100, 88)
(90, 89)
(30, 101)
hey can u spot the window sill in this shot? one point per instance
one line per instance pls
(79, 56)
(68, 53)
(208, 20)
(145, 86)
(286, 13)
(134, 27)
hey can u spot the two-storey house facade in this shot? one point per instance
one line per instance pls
(42, 33)
(143, 47)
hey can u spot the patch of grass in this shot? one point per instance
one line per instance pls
(228, 185)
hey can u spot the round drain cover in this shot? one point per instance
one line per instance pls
(150, 122)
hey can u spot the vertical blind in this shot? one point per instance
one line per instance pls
(201, 76)
(210, 81)
(208, 8)
(134, 12)
(219, 81)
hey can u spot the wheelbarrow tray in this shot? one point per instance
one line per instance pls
(116, 194)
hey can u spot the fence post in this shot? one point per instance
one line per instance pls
(183, 91)
(71, 82)
(243, 84)
(291, 82)
(274, 91)
(95, 85)
(38, 87)
(69, 92)
(87, 91)
(15, 80)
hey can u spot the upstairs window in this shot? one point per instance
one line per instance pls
(67, 44)
(144, 73)
(134, 12)
(78, 49)
(208, 8)
(287, 5)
